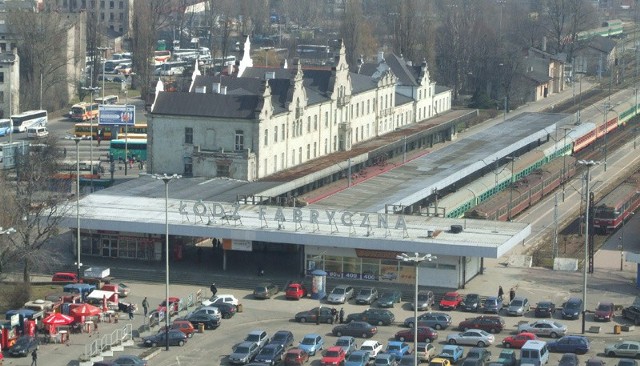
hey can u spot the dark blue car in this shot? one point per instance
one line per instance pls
(570, 344)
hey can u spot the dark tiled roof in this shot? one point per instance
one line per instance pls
(207, 105)
(537, 77)
(368, 69)
(237, 86)
(441, 89)
(279, 92)
(260, 72)
(602, 44)
(361, 83)
(405, 74)
(402, 99)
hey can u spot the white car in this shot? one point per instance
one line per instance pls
(548, 328)
(471, 337)
(371, 346)
(225, 298)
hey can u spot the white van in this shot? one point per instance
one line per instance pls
(534, 353)
(37, 132)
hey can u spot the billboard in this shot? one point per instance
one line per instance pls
(116, 114)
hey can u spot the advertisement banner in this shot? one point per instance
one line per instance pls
(116, 114)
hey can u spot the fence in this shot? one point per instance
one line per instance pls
(107, 341)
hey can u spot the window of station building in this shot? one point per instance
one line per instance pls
(282, 160)
(127, 248)
(370, 268)
(308, 124)
(326, 146)
(326, 119)
(239, 144)
(188, 167)
(368, 105)
(121, 16)
(1, 77)
(333, 264)
(102, 7)
(102, 15)
(293, 157)
(335, 117)
(266, 137)
(356, 134)
(111, 17)
(188, 135)
(300, 155)
(282, 132)
(275, 163)
(315, 122)
(265, 167)
(335, 143)
(315, 149)
(1, 97)
(121, 5)
(351, 265)
(111, 4)
(308, 151)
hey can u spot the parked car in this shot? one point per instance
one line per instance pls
(65, 277)
(243, 353)
(357, 358)
(224, 298)
(450, 301)
(384, 359)
(209, 310)
(491, 304)
(176, 338)
(371, 346)
(627, 362)
(295, 291)
(373, 316)
(545, 309)
(595, 361)
(23, 347)
(472, 337)
(296, 357)
(174, 305)
(604, 312)
(569, 359)
(547, 328)
(438, 361)
(124, 360)
(209, 321)
(518, 340)
(407, 360)
(355, 329)
(184, 326)
(226, 310)
(629, 349)
(312, 343)
(572, 308)
(340, 294)
(124, 291)
(265, 291)
(367, 295)
(271, 354)
(479, 354)
(472, 362)
(632, 313)
(426, 351)
(425, 334)
(451, 352)
(389, 298)
(259, 337)
(283, 337)
(333, 356)
(518, 306)
(347, 343)
(570, 343)
(323, 313)
(471, 302)
(397, 349)
(491, 324)
(436, 321)
(507, 357)
(425, 300)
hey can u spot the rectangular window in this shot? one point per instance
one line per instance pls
(293, 157)
(111, 5)
(121, 5)
(275, 163)
(101, 16)
(300, 155)
(282, 132)
(308, 124)
(102, 7)
(266, 137)
(315, 149)
(335, 143)
(188, 167)
(121, 16)
(326, 146)
(326, 119)
(368, 105)
(308, 151)
(282, 160)
(111, 17)
(2, 97)
(223, 170)
(239, 145)
(315, 122)
(275, 134)
(1, 77)
(265, 167)
(188, 135)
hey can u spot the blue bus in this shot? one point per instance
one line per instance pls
(5, 127)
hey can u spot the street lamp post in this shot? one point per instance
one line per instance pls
(511, 181)
(564, 162)
(104, 67)
(77, 139)
(606, 130)
(588, 164)
(416, 259)
(10, 62)
(166, 179)
(621, 238)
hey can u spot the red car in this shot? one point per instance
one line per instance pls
(334, 356)
(451, 300)
(604, 312)
(491, 324)
(295, 291)
(518, 340)
(174, 305)
(425, 334)
(296, 357)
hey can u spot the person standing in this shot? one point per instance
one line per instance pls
(214, 289)
(341, 315)
(130, 309)
(512, 294)
(500, 292)
(145, 306)
(34, 357)
(334, 314)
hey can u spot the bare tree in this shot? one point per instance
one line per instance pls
(564, 19)
(37, 204)
(356, 32)
(412, 31)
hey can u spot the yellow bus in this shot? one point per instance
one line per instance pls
(106, 131)
(84, 111)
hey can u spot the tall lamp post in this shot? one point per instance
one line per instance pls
(416, 259)
(621, 238)
(104, 67)
(606, 130)
(10, 61)
(511, 181)
(77, 139)
(588, 164)
(166, 179)
(564, 161)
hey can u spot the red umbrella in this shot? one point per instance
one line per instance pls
(58, 319)
(86, 310)
(104, 303)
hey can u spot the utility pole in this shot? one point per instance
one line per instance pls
(555, 224)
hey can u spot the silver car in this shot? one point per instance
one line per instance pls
(630, 349)
(243, 353)
(547, 328)
(471, 337)
(340, 294)
(518, 306)
(367, 295)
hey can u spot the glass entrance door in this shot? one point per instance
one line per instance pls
(109, 247)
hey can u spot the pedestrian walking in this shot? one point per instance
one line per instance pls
(334, 314)
(145, 306)
(512, 294)
(130, 309)
(34, 357)
(64, 152)
(341, 315)
(500, 292)
(214, 289)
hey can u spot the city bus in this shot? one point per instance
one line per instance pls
(83, 130)
(136, 149)
(132, 136)
(84, 111)
(5, 127)
(28, 119)
(108, 99)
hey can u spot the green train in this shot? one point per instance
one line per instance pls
(609, 28)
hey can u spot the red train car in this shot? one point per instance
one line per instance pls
(615, 207)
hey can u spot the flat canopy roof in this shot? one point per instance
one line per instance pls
(417, 179)
(107, 210)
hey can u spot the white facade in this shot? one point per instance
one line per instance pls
(265, 121)
(10, 83)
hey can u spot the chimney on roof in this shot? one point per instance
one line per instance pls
(269, 75)
(380, 57)
(216, 88)
(201, 89)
